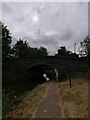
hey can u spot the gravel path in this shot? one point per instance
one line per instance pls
(49, 107)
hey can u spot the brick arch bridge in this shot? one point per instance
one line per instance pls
(59, 64)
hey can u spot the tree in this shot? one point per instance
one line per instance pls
(84, 49)
(34, 52)
(20, 49)
(62, 51)
(43, 51)
(6, 41)
(38, 52)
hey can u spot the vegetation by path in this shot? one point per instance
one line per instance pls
(20, 100)
(28, 103)
(74, 101)
(13, 88)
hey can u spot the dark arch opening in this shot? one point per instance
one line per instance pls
(41, 73)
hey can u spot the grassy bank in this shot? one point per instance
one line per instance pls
(13, 88)
(74, 100)
(29, 102)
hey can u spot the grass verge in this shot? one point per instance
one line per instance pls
(74, 100)
(29, 103)
(13, 87)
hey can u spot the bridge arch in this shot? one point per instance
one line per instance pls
(60, 65)
(42, 72)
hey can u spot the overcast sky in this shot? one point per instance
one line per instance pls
(48, 24)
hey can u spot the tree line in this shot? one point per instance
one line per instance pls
(22, 48)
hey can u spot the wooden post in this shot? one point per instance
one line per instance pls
(70, 78)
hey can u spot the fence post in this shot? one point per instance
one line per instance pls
(70, 78)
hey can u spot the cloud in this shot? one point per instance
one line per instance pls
(89, 18)
(48, 24)
(67, 35)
